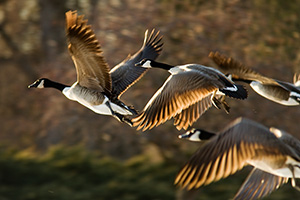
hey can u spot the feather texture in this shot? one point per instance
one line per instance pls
(92, 70)
(125, 74)
(241, 142)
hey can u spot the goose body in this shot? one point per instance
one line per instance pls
(187, 93)
(97, 102)
(97, 87)
(274, 154)
(280, 92)
(283, 93)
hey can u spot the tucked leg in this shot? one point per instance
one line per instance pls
(293, 179)
(118, 116)
(220, 102)
(121, 104)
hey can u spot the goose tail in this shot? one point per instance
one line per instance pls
(237, 91)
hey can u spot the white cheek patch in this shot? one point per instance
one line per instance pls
(147, 64)
(41, 84)
(195, 137)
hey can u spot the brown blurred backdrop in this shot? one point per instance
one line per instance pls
(262, 34)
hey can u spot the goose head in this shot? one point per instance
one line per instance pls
(146, 63)
(196, 135)
(40, 83)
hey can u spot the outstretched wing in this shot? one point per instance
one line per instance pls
(92, 70)
(259, 184)
(125, 74)
(174, 97)
(238, 70)
(188, 116)
(230, 151)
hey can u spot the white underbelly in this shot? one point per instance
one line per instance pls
(258, 88)
(104, 109)
(100, 108)
(283, 172)
(119, 109)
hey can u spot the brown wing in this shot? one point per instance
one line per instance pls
(178, 93)
(259, 184)
(188, 116)
(238, 70)
(125, 74)
(92, 70)
(223, 155)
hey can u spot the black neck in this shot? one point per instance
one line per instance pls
(53, 84)
(205, 135)
(161, 65)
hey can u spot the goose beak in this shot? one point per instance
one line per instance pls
(32, 85)
(184, 135)
(138, 64)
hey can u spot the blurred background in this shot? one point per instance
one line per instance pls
(53, 148)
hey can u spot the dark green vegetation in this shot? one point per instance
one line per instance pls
(265, 35)
(76, 174)
(73, 173)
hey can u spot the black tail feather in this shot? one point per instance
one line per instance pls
(240, 93)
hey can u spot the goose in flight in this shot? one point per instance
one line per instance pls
(281, 92)
(97, 87)
(274, 154)
(188, 92)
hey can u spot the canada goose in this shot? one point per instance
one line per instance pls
(258, 183)
(188, 92)
(278, 91)
(96, 87)
(274, 154)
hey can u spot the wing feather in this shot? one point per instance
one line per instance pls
(92, 70)
(180, 96)
(241, 141)
(125, 74)
(259, 184)
(238, 70)
(188, 116)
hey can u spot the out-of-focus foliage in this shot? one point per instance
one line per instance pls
(262, 34)
(74, 173)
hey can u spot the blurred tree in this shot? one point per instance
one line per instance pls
(52, 28)
(262, 34)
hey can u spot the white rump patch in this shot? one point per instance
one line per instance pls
(295, 94)
(234, 88)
